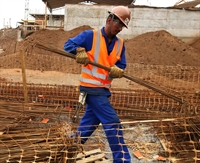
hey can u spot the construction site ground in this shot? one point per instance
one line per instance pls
(156, 57)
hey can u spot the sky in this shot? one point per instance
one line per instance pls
(13, 11)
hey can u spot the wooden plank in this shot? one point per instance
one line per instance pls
(24, 75)
(91, 158)
(87, 153)
(163, 143)
(104, 161)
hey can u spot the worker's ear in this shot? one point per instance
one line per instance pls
(109, 19)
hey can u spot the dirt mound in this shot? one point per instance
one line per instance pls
(196, 44)
(154, 48)
(8, 40)
(161, 48)
(56, 38)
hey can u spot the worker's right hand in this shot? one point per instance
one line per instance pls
(81, 56)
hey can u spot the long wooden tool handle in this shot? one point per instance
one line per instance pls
(134, 79)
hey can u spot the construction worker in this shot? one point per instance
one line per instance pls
(103, 47)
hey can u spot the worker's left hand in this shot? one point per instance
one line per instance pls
(116, 72)
(81, 56)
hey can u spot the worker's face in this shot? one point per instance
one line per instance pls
(116, 26)
(119, 23)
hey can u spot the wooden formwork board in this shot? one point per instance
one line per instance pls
(93, 156)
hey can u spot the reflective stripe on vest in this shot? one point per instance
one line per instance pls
(94, 70)
(94, 82)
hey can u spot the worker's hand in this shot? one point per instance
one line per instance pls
(116, 72)
(81, 56)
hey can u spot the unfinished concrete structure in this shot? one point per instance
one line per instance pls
(183, 24)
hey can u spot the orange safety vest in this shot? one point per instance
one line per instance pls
(92, 76)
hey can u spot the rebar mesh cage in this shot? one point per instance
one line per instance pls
(154, 125)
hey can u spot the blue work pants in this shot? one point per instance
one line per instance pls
(99, 110)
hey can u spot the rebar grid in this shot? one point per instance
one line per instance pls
(177, 80)
(181, 139)
(126, 102)
(174, 78)
(41, 62)
(26, 137)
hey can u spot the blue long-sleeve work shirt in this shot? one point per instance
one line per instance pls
(85, 40)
